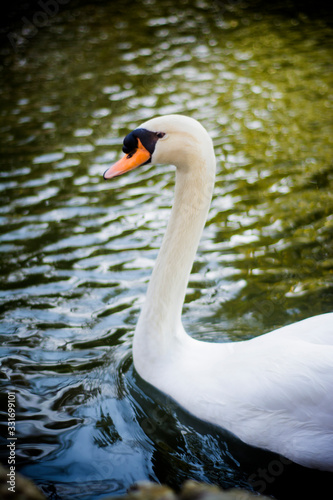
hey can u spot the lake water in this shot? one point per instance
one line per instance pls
(77, 252)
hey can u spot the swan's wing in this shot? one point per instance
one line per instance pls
(278, 397)
(316, 329)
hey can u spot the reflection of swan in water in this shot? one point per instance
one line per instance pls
(274, 391)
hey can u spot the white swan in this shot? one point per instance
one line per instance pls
(274, 391)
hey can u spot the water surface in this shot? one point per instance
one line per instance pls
(77, 252)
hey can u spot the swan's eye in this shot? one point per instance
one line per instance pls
(160, 134)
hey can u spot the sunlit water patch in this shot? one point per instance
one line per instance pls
(77, 252)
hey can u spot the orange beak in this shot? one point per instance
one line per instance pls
(128, 162)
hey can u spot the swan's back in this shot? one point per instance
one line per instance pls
(274, 391)
(316, 330)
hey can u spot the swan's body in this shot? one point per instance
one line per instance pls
(274, 391)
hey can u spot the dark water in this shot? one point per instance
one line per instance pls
(77, 252)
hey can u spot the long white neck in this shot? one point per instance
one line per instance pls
(159, 324)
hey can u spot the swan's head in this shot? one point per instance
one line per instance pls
(175, 139)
